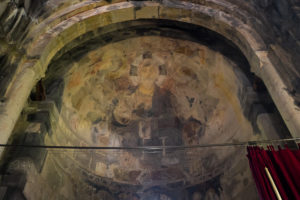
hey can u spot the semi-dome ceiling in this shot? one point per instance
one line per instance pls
(150, 91)
(39, 31)
(149, 87)
(148, 74)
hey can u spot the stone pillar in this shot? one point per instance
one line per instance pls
(278, 91)
(15, 99)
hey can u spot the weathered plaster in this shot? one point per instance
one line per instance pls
(45, 47)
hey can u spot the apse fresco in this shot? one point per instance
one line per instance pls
(143, 100)
(153, 91)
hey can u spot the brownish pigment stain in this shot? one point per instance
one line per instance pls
(221, 84)
(75, 80)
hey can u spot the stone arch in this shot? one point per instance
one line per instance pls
(60, 29)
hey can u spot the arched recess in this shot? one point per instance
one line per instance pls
(59, 31)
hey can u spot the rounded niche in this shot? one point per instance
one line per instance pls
(152, 91)
(149, 90)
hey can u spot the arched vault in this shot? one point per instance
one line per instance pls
(47, 38)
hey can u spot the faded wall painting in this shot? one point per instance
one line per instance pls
(152, 91)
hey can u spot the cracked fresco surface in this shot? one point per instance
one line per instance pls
(153, 91)
(145, 90)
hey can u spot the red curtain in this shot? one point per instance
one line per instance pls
(276, 173)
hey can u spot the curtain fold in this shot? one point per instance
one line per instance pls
(284, 167)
